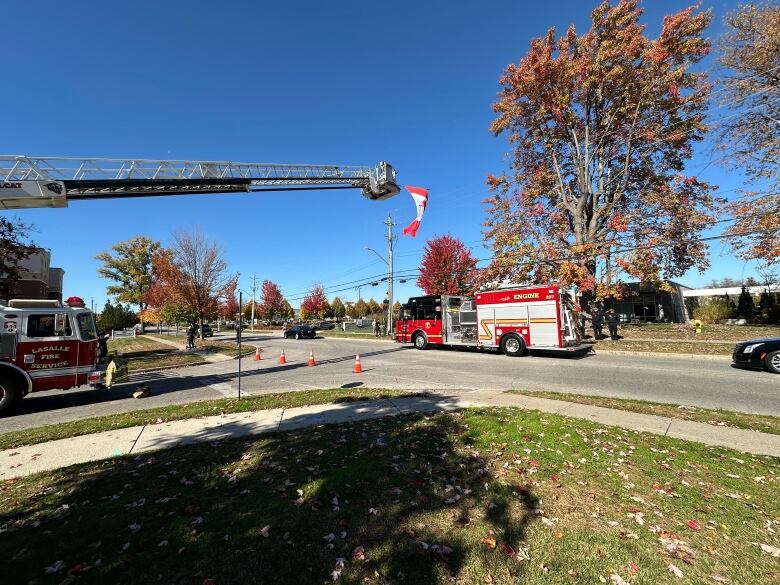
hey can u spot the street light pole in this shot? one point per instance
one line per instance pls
(389, 261)
(254, 287)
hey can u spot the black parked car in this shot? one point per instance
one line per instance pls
(207, 331)
(758, 353)
(299, 332)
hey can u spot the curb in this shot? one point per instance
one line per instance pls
(663, 355)
(356, 338)
(163, 368)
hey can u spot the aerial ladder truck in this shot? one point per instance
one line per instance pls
(46, 344)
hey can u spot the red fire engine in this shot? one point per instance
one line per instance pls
(514, 320)
(44, 345)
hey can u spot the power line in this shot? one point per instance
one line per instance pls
(412, 272)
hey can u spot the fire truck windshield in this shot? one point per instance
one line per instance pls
(87, 326)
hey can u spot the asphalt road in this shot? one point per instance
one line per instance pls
(707, 383)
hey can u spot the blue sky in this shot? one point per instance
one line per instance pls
(351, 82)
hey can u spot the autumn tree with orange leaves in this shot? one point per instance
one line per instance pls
(601, 125)
(750, 137)
(447, 267)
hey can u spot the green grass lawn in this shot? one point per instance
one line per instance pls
(131, 345)
(349, 334)
(684, 332)
(142, 353)
(224, 346)
(689, 347)
(493, 495)
(718, 417)
(229, 348)
(192, 410)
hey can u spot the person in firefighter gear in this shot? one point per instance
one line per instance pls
(613, 319)
(598, 323)
(116, 373)
(102, 348)
(377, 328)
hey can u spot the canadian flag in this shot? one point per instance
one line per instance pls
(420, 196)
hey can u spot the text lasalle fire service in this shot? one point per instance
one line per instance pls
(512, 319)
(45, 344)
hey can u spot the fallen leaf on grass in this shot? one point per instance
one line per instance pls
(633, 566)
(508, 550)
(54, 568)
(694, 525)
(719, 579)
(489, 542)
(769, 549)
(617, 579)
(359, 553)
(265, 530)
(675, 571)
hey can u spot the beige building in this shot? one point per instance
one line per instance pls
(37, 278)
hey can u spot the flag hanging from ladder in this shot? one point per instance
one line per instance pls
(420, 196)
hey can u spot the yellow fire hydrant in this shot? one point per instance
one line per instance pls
(697, 324)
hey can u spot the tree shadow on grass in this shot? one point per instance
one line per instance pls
(402, 499)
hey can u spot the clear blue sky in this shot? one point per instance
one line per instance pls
(351, 82)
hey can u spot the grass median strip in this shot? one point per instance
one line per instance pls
(349, 334)
(717, 417)
(490, 495)
(686, 332)
(649, 346)
(195, 409)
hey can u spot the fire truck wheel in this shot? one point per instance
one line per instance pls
(421, 341)
(512, 345)
(9, 394)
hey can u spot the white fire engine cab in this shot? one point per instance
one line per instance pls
(513, 320)
(45, 344)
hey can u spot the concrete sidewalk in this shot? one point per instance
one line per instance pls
(24, 461)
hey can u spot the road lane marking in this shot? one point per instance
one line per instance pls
(426, 382)
(304, 385)
(224, 388)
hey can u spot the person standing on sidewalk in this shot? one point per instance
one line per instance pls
(612, 322)
(191, 336)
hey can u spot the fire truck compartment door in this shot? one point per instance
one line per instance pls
(8, 345)
(508, 319)
(544, 324)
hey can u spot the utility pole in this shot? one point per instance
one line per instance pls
(389, 223)
(254, 287)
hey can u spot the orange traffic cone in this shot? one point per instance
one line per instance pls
(311, 358)
(282, 359)
(357, 368)
(258, 357)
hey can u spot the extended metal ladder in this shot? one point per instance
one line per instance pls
(27, 182)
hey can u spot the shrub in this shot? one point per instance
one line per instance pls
(714, 311)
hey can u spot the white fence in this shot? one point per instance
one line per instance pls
(129, 332)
